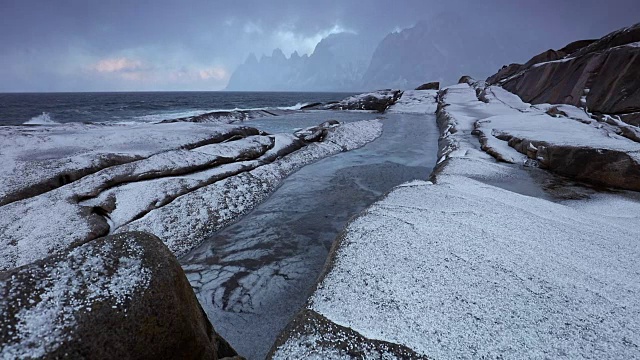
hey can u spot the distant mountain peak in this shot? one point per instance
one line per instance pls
(441, 48)
(251, 59)
(278, 54)
(336, 64)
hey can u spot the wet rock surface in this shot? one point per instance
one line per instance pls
(123, 296)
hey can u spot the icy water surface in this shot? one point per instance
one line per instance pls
(253, 276)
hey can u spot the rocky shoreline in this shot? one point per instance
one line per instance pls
(72, 258)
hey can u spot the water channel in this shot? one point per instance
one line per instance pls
(254, 275)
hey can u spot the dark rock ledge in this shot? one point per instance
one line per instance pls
(316, 335)
(434, 85)
(599, 75)
(375, 101)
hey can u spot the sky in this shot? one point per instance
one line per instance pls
(87, 45)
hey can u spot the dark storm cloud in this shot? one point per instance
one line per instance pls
(126, 45)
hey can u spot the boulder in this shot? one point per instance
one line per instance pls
(316, 133)
(604, 167)
(615, 88)
(607, 81)
(631, 119)
(376, 101)
(466, 79)
(118, 297)
(434, 85)
(624, 36)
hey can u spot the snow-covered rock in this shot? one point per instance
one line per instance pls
(112, 297)
(200, 179)
(229, 117)
(186, 221)
(463, 269)
(415, 102)
(563, 139)
(483, 261)
(36, 159)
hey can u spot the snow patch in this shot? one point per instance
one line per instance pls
(416, 102)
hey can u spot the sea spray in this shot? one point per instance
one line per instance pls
(42, 119)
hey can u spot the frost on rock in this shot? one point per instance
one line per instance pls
(482, 262)
(462, 269)
(195, 179)
(108, 298)
(356, 134)
(37, 159)
(416, 102)
(35, 228)
(201, 212)
(41, 302)
(561, 138)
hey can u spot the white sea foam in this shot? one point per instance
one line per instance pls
(43, 119)
(168, 115)
(297, 106)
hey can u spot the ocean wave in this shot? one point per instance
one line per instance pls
(42, 119)
(297, 106)
(168, 115)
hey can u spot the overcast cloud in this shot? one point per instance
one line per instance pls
(178, 45)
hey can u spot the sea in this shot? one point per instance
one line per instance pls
(51, 108)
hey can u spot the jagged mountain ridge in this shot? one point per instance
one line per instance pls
(336, 64)
(435, 50)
